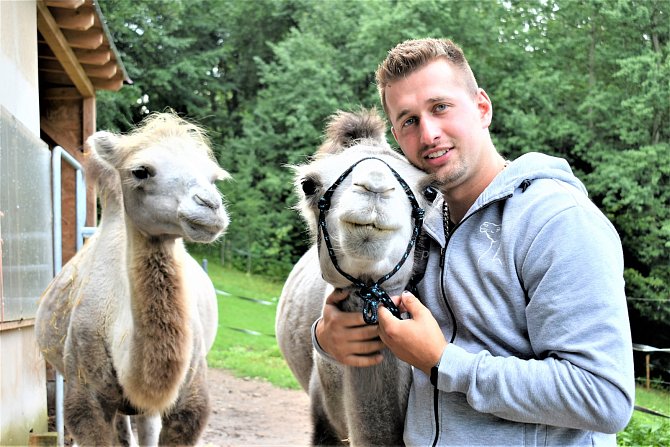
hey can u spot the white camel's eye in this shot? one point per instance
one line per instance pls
(308, 186)
(142, 173)
(430, 193)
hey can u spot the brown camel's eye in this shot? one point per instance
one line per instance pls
(308, 186)
(142, 173)
(430, 193)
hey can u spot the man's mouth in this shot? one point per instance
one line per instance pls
(437, 154)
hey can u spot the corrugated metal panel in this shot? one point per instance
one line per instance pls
(25, 222)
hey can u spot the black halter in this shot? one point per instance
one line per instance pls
(371, 294)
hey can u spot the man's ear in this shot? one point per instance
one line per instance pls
(394, 134)
(485, 108)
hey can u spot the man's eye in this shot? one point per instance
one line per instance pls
(409, 122)
(441, 107)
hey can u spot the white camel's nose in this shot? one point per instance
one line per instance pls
(373, 176)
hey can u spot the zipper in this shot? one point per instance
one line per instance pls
(443, 253)
(436, 401)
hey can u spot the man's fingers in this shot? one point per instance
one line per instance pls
(363, 361)
(383, 314)
(367, 347)
(336, 296)
(411, 303)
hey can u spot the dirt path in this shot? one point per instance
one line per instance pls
(248, 412)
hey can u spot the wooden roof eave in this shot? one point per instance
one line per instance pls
(76, 47)
(47, 26)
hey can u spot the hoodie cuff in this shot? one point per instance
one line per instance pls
(454, 370)
(317, 347)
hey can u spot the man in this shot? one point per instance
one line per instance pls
(521, 336)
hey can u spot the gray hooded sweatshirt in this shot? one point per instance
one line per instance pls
(529, 292)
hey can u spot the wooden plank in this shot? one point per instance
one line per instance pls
(51, 66)
(99, 56)
(49, 439)
(64, 93)
(57, 78)
(18, 324)
(80, 19)
(67, 4)
(61, 137)
(108, 84)
(87, 40)
(88, 129)
(102, 72)
(43, 49)
(61, 48)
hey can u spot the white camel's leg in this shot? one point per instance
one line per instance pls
(323, 432)
(326, 404)
(386, 385)
(124, 431)
(148, 429)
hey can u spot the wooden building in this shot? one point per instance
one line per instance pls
(55, 55)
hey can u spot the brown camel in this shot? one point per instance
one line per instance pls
(129, 320)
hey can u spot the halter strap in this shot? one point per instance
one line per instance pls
(371, 294)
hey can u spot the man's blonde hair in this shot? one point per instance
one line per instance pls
(411, 55)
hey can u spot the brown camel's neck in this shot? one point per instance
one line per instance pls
(161, 343)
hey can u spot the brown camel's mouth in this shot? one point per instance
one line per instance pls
(367, 225)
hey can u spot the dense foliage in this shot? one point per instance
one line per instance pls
(588, 81)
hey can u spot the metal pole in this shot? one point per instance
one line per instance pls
(58, 154)
(57, 264)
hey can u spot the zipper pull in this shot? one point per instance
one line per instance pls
(443, 250)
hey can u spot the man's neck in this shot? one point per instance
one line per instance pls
(460, 199)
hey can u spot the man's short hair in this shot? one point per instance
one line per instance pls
(411, 55)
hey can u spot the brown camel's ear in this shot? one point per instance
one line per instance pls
(104, 144)
(346, 129)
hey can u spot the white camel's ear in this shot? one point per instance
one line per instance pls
(104, 144)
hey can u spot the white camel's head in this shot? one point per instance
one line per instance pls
(167, 175)
(369, 221)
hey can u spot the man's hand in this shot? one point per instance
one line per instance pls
(346, 337)
(418, 341)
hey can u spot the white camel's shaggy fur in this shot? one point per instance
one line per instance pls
(370, 225)
(130, 318)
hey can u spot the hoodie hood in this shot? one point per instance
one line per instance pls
(514, 179)
(527, 168)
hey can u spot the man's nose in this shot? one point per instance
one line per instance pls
(430, 130)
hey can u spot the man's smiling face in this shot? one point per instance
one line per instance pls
(440, 125)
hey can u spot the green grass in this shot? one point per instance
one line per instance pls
(247, 354)
(645, 429)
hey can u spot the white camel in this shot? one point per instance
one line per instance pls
(130, 318)
(367, 228)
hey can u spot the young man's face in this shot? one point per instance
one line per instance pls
(440, 125)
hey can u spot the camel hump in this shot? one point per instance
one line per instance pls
(345, 129)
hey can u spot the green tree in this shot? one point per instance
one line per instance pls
(588, 81)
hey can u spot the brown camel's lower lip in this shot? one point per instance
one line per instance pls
(373, 226)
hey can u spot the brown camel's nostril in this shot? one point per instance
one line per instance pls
(377, 188)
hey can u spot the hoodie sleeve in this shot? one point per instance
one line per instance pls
(581, 375)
